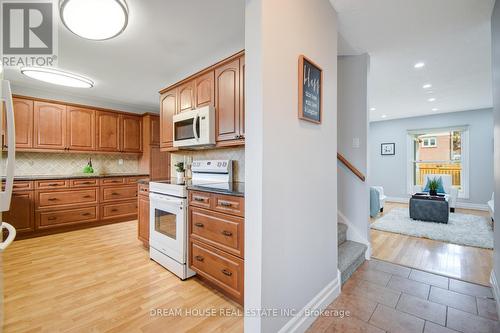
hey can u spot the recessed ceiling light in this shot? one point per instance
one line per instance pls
(435, 109)
(431, 99)
(373, 109)
(429, 92)
(384, 116)
(419, 65)
(94, 19)
(56, 76)
(427, 86)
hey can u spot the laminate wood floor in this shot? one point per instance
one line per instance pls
(102, 280)
(461, 262)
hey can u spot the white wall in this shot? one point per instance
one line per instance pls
(391, 171)
(291, 204)
(353, 194)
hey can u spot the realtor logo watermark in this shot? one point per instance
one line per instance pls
(29, 33)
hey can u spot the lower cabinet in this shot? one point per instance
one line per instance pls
(42, 207)
(143, 214)
(216, 241)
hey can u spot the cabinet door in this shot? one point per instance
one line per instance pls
(143, 218)
(242, 97)
(168, 108)
(50, 126)
(108, 131)
(186, 96)
(154, 130)
(227, 101)
(21, 213)
(23, 117)
(204, 89)
(81, 128)
(159, 167)
(131, 134)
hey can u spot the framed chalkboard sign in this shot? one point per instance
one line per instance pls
(310, 90)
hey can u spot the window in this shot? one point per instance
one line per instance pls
(429, 142)
(439, 151)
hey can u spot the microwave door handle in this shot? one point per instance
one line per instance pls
(195, 132)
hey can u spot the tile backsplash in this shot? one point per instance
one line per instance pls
(43, 163)
(235, 154)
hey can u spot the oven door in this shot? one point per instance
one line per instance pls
(168, 226)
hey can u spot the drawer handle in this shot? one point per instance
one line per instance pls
(114, 193)
(87, 196)
(87, 183)
(52, 199)
(52, 218)
(114, 210)
(199, 225)
(227, 233)
(199, 199)
(226, 272)
(52, 184)
(86, 214)
(199, 258)
(225, 204)
(115, 181)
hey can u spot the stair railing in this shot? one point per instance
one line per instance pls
(351, 167)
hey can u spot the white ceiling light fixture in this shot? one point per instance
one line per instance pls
(435, 109)
(427, 86)
(57, 76)
(419, 65)
(373, 109)
(94, 19)
(384, 116)
(431, 99)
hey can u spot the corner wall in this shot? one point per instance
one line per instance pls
(353, 194)
(291, 188)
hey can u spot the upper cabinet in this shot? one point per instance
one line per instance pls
(108, 131)
(23, 117)
(80, 128)
(131, 134)
(168, 107)
(49, 126)
(186, 96)
(204, 89)
(154, 130)
(221, 85)
(227, 101)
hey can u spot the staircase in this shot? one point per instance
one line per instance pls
(351, 254)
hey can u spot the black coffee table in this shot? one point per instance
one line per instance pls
(424, 207)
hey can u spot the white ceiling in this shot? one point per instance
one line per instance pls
(452, 37)
(165, 41)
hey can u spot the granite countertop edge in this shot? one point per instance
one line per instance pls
(78, 176)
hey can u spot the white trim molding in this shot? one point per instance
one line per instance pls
(460, 204)
(354, 235)
(496, 290)
(301, 322)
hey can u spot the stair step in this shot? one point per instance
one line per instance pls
(351, 256)
(341, 233)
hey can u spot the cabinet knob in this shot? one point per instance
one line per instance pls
(200, 225)
(199, 258)
(227, 233)
(226, 272)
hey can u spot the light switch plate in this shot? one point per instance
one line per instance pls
(355, 142)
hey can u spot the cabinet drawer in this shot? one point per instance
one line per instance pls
(21, 186)
(200, 199)
(223, 270)
(51, 184)
(118, 193)
(229, 204)
(112, 181)
(116, 210)
(222, 231)
(67, 198)
(133, 180)
(83, 182)
(144, 189)
(57, 218)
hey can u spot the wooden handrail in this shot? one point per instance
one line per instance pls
(351, 167)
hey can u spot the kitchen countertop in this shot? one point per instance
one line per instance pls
(234, 188)
(79, 175)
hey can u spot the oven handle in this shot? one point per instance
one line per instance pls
(195, 122)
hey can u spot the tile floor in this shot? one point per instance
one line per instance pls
(385, 297)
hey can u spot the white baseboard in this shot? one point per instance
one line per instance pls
(460, 204)
(300, 322)
(354, 235)
(496, 290)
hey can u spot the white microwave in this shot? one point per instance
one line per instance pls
(195, 128)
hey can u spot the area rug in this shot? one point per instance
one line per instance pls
(462, 229)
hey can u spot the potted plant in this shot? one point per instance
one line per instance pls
(433, 186)
(179, 167)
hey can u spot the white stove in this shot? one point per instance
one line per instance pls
(168, 240)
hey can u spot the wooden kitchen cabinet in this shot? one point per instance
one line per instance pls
(21, 212)
(80, 128)
(242, 97)
(227, 101)
(153, 161)
(204, 89)
(49, 126)
(23, 117)
(131, 134)
(154, 130)
(168, 109)
(108, 131)
(185, 96)
(143, 214)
